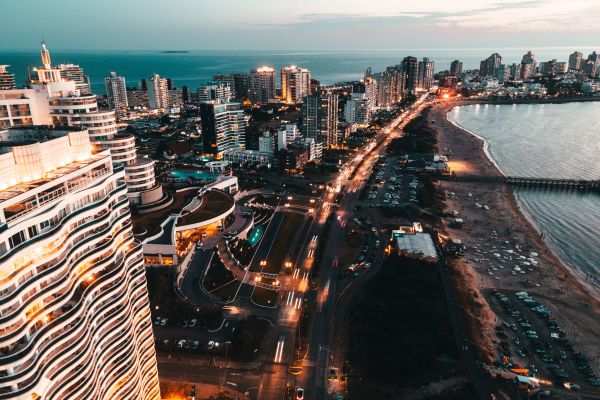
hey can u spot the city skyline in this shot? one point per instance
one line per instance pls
(308, 25)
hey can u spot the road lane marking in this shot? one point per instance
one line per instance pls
(279, 350)
(298, 303)
(290, 298)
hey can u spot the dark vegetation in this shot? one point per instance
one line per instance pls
(399, 327)
(419, 138)
(247, 340)
(217, 275)
(165, 303)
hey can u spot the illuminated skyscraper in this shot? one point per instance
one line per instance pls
(262, 85)
(295, 84)
(73, 299)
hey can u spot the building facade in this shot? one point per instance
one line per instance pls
(320, 118)
(295, 84)
(7, 80)
(158, 92)
(426, 71)
(261, 88)
(223, 127)
(456, 67)
(75, 312)
(488, 67)
(116, 92)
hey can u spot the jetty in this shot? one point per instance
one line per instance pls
(587, 185)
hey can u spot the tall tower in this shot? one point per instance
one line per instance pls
(45, 53)
(75, 312)
(116, 91)
(295, 84)
(262, 85)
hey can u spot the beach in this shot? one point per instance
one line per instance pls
(496, 231)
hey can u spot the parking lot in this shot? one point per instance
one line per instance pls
(390, 186)
(531, 338)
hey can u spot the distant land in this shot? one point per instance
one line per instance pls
(174, 51)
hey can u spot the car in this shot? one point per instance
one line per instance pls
(299, 393)
(332, 374)
(594, 381)
(211, 345)
(571, 386)
(517, 340)
(193, 323)
(520, 353)
(180, 344)
(533, 368)
(195, 344)
(562, 354)
(163, 322)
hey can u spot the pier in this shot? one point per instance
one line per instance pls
(587, 185)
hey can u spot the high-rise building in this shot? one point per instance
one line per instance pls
(489, 66)
(7, 80)
(575, 61)
(295, 84)
(371, 92)
(73, 72)
(223, 127)
(515, 70)
(456, 67)
(75, 312)
(158, 92)
(287, 134)
(410, 69)
(356, 109)
(502, 73)
(426, 71)
(320, 117)
(528, 65)
(266, 143)
(218, 92)
(590, 67)
(261, 88)
(238, 82)
(49, 99)
(391, 86)
(116, 92)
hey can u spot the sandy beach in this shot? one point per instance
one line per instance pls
(498, 236)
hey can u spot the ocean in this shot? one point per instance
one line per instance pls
(548, 140)
(197, 67)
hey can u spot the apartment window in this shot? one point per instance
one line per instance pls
(33, 231)
(16, 239)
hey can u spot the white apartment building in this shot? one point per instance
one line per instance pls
(356, 109)
(218, 92)
(158, 92)
(73, 72)
(74, 312)
(116, 92)
(53, 100)
(295, 84)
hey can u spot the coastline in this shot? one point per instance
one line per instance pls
(594, 285)
(572, 300)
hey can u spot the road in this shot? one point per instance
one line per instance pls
(320, 354)
(270, 377)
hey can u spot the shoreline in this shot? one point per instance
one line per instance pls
(593, 283)
(544, 100)
(571, 298)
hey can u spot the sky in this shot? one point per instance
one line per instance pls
(298, 25)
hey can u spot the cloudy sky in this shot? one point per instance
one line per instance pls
(300, 24)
